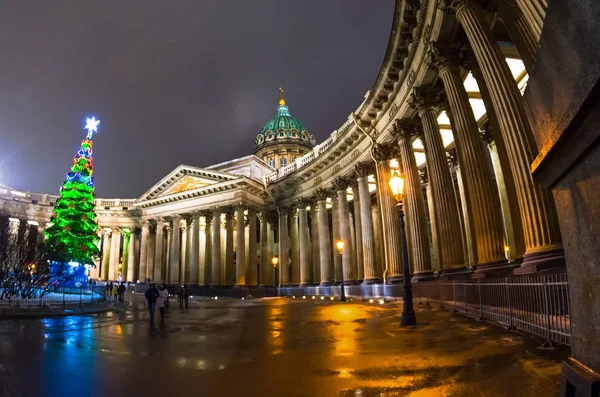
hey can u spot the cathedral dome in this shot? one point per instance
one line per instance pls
(283, 128)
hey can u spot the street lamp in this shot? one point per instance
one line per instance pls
(275, 261)
(340, 247)
(408, 312)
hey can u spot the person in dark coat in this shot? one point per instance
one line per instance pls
(121, 292)
(151, 296)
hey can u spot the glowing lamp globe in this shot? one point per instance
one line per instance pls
(397, 186)
(275, 261)
(340, 245)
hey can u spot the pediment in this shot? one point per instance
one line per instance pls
(183, 179)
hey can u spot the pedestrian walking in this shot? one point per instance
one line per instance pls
(115, 291)
(121, 292)
(185, 296)
(108, 290)
(180, 297)
(163, 296)
(151, 296)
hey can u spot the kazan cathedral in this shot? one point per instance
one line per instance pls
(485, 108)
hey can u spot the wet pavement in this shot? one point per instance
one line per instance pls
(270, 347)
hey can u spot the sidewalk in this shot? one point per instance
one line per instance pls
(8, 312)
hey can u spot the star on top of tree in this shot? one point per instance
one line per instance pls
(91, 125)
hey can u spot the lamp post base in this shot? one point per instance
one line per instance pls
(408, 319)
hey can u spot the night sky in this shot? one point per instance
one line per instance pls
(173, 82)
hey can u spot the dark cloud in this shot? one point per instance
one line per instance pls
(174, 82)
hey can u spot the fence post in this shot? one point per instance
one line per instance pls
(511, 325)
(481, 318)
(548, 342)
(63, 291)
(455, 310)
(80, 295)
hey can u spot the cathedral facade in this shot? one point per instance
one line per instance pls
(481, 106)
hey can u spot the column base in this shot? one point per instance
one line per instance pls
(423, 276)
(267, 286)
(395, 279)
(578, 380)
(306, 284)
(495, 269)
(460, 273)
(239, 286)
(369, 281)
(350, 282)
(326, 284)
(544, 261)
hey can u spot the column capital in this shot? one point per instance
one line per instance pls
(487, 134)
(452, 157)
(505, 9)
(216, 211)
(302, 203)
(284, 210)
(423, 176)
(424, 98)
(454, 6)
(228, 211)
(239, 206)
(321, 195)
(442, 57)
(340, 184)
(362, 169)
(384, 152)
(405, 129)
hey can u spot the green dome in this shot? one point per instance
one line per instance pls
(284, 127)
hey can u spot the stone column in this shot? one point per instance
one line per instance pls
(294, 249)
(484, 214)
(392, 246)
(150, 250)
(378, 234)
(445, 204)
(216, 248)
(194, 250)
(304, 246)
(341, 186)
(367, 236)
(414, 204)
(284, 258)
(335, 236)
(158, 250)
(240, 247)
(105, 254)
(520, 32)
(115, 248)
(186, 245)
(229, 265)
(324, 246)
(131, 256)
(534, 12)
(252, 271)
(208, 243)
(538, 213)
(144, 251)
(314, 242)
(174, 250)
(434, 240)
(504, 178)
(467, 232)
(265, 261)
(358, 240)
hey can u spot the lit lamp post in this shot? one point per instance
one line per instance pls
(340, 247)
(408, 312)
(275, 261)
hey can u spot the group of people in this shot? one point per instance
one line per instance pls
(115, 291)
(160, 297)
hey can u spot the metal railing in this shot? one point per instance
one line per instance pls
(536, 304)
(90, 295)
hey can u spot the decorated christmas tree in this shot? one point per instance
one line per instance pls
(71, 237)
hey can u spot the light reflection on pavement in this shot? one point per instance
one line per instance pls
(271, 347)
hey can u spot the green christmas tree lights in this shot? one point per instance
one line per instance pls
(71, 236)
